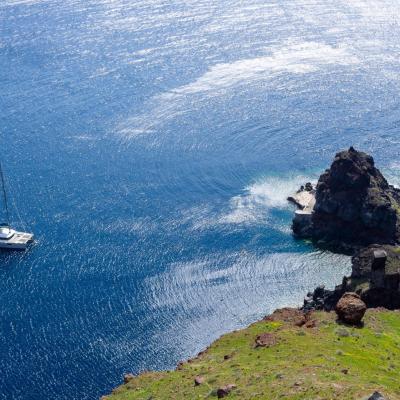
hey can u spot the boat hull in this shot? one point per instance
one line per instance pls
(19, 241)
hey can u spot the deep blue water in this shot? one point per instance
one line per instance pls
(150, 146)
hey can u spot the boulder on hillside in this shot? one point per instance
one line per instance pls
(350, 308)
(128, 378)
(265, 340)
(225, 390)
(199, 380)
(354, 205)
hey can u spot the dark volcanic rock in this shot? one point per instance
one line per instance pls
(350, 308)
(322, 299)
(376, 276)
(376, 396)
(225, 390)
(355, 206)
(199, 380)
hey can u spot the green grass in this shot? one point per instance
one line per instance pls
(305, 363)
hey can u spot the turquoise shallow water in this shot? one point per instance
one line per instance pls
(151, 146)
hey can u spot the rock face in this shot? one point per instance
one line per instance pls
(322, 299)
(350, 308)
(225, 390)
(354, 205)
(375, 278)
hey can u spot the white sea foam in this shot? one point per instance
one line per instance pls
(255, 204)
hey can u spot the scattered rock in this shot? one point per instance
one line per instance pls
(321, 299)
(342, 332)
(308, 187)
(300, 321)
(265, 340)
(225, 390)
(376, 396)
(350, 308)
(128, 377)
(306, 321)
(199, 380)
(319, 292)
(311, 323)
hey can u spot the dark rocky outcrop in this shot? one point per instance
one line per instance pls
(350, 308)
(322, 299)
(354, 205)
(375, 278)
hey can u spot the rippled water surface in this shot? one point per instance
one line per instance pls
(150, 145)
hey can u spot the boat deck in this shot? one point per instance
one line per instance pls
(19, 240)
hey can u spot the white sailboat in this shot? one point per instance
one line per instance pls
(10, 238)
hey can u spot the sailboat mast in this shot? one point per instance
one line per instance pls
(4, 195)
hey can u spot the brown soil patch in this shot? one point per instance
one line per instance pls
(293, 316)
(289, 315)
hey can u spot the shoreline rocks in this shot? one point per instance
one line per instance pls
(321, 299)
(375, 278)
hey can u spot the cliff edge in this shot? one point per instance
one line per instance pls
(285, 356)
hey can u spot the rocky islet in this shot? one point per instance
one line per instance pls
(354, 206)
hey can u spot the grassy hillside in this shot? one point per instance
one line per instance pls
(320, 360)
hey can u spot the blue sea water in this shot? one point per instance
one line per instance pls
(150, 146)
